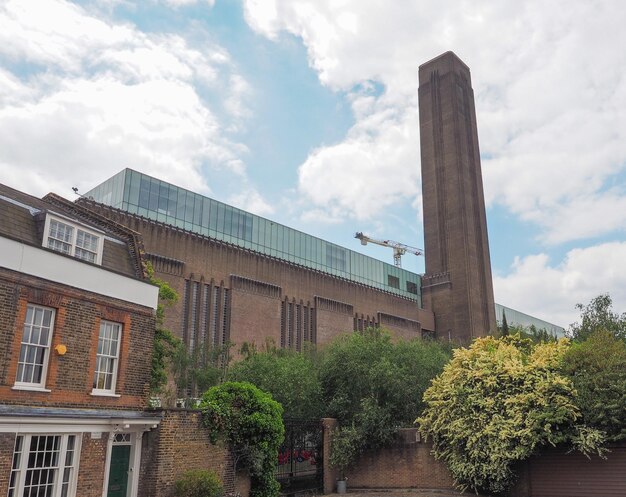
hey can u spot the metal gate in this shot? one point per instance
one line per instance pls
(300, 470)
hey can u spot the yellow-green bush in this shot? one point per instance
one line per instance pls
(498, 402)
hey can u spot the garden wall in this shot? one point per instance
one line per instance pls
(179, 444)
(408, 464)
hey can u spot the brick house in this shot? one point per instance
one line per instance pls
(78, 319)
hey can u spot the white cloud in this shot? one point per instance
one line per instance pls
(549, 80)
(550, 291)
(251, 200)
(369, 171)
(100, 96)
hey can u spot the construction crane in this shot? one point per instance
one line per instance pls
(399, 249)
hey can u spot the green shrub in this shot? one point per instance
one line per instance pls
(497, 403)
(199, 483)
(290, 377)
(597, 368)
(250, 421)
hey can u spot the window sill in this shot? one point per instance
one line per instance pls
(101, 393)
(28, 388)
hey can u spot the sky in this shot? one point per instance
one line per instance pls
(306, 113)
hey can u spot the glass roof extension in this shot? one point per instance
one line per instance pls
(519, 318)
(152, 198)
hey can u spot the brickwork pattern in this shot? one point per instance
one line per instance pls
(77, 321)
(211, 260)
(407, 464)
(330, 324)
(261, 319)
(91, 468)
(455, 225)
(179, 444)
(7, 445)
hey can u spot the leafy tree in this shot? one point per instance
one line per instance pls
(197, 370)
(496, 403)
(598, 315)
(597, 367)
(250, 421)
(373, 386)
(291, 378)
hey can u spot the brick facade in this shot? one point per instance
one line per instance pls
(77, 324)
(7, 443)
(458, 284)
(92, 466)
(179, 444)
(62, 319)
(259, 286)
(408, 464)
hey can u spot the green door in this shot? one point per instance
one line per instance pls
(118, 472)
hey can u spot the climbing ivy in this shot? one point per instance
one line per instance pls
(166, 345)
(250, 422)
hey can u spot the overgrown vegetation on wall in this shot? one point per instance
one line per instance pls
(250, 422)
(371, 384)
(166, 345)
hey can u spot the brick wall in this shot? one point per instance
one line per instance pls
(254, 317)
(180, 443)
(7, 444)
(262, 318)
(77, 322)
(91, 469)
(407, 464)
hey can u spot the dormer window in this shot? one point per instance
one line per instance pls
(73, 239)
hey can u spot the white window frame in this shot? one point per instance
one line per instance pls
(115, 357)
(20, 460)
(27, 385)
(76, 227)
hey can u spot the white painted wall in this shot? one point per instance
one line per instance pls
(35, 261)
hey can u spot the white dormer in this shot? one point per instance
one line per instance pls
(69, 237)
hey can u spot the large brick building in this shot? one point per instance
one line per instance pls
(243, 278)
(78, 321)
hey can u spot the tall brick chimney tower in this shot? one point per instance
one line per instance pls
(457, 285)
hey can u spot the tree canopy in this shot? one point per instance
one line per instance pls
(373, 386)
(496, 403)
(598, 315)
(291, 377)
(597, 368)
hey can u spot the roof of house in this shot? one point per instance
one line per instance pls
(22, 218)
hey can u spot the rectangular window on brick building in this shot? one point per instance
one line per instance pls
(32, 364)
(411, 287)
(44, 465)
(107, 358)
